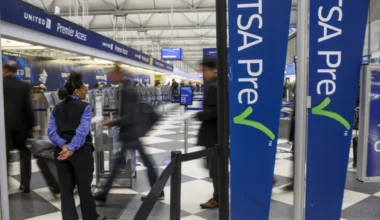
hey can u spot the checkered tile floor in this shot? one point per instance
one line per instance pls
(361, 200)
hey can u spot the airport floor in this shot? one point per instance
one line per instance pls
(361, 200)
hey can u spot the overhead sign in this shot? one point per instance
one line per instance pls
(28, 16)
(171, 54)
(210, 52)
(256, 82)
(186, 93)
(337, 30)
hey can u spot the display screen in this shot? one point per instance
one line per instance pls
(186, 95)
(171, 54)
(290, 69)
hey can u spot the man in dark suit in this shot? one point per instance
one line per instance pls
(208, 133)
(133, 125)
(19, 120)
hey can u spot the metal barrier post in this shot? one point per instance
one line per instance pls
(181, 113)
(186, 134)
(223, 109)
(301, 109)
(163, 104)
(175, 188)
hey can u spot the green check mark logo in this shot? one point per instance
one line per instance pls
(242, 120)
(320, 110)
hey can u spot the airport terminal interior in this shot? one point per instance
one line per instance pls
(161, 43)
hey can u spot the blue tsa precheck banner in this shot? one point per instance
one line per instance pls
(337, 30)
(258, 38)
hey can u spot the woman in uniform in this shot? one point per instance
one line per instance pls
(69, 129)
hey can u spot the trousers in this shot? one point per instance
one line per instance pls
(212, 162)
(77, 171)
(25, 167)
(119, 162)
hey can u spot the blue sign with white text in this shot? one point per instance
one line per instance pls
(186, 95)
(337, 30)
(25, 15)
(256, 82)
(210, 52)
(373, 160)
(171, 54)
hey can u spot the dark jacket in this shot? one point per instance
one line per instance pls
(174, 87)
(18, 112)
(208, 133)
(129, 120)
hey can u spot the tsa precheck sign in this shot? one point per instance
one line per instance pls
(257, 54)
(337, 29)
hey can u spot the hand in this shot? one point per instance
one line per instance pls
(65, 153)
(108, 123)
(36, 128)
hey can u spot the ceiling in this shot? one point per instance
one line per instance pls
(148, 25)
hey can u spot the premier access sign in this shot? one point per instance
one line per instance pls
(337, 29)
(257, 54)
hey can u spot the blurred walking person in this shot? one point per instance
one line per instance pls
(69, 129)
(175, 90)
(19, 120)
(132, 126)
(208, 133)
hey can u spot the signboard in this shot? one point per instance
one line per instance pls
(369, 136)
(186, 95)
(210, 52)
(337, 30)
(171, 54)
(28, 16)
(373, 155)
(256, 83)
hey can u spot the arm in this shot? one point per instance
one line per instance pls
(28, 108)
(53, 134)
(82, 131)
(210, 111)
(128, 108)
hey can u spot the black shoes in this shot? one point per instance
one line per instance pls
(101, 218)
(26, 190)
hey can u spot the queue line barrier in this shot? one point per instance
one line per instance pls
(173, 170)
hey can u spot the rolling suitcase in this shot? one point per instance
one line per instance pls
(43, 151)
(50, 174)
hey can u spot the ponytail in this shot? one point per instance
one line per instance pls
(74, 82)
(63, 93)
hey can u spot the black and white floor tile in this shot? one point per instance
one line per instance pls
(361, 200)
